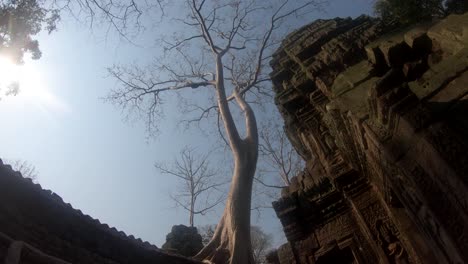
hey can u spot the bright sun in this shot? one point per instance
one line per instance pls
(33, 90)
(9, 72)
(24, 75)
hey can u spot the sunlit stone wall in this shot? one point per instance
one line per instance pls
(381, 117)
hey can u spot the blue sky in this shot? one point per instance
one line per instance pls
(83, 148)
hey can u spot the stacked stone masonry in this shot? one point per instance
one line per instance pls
(381, 118)
(37, 227)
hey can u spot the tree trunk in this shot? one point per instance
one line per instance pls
(231, 240)
(192, 202)
(191, 217)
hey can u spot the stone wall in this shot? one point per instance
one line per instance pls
(380, 116)
(37, 227)
(183, 240)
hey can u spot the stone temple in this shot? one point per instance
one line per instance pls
(381, 117)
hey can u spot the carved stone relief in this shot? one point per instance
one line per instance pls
(372, 119)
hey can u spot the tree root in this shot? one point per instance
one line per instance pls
(223, 249)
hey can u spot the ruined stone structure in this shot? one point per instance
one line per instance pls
(37, 227)
(381, 118)
(183, 240)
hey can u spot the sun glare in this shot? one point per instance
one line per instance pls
(27, 78)
(32, 89)
(9, 72)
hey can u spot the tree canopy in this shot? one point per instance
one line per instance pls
(20, 20)
(407, 12)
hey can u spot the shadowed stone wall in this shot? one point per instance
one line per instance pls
(382, 121)
(37, 227)
(183, 240)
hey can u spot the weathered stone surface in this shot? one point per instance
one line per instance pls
(36, 226)
(384, 135)
(286, 254)
(272, 257)
(183, 240)
(451, 34)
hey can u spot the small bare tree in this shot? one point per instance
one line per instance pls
(199, 183)
(278, 163)
(261, 243)
(207, 232)
(223, 51)
(278, 156)
(25, 168)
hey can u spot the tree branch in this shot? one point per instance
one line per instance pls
(268, 185)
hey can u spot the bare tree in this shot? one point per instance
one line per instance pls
(123, 16)
(25, 168)
(207, 232)
(224, 52)
(199, 182)
(261, 243)
(278, 163)
(278, 156)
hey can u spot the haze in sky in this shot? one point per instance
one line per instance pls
(82, 147)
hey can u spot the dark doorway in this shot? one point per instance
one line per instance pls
(337, 256)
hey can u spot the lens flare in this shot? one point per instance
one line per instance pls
(24, 85)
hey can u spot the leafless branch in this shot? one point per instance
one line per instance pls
(218, 33)
(279, 154)
(268, 185)
(26, 169)
(121, 15)
(198, 179)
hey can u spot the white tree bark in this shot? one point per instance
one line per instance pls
(231, 240)
(225, 30)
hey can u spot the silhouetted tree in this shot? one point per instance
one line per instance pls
(207, 232)
(407, 12)
(199, 182)
(20, 20)
(224, 52)
(279, 156)
(261, 244)
(124, 16)
(25, 168)
(278, 163)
